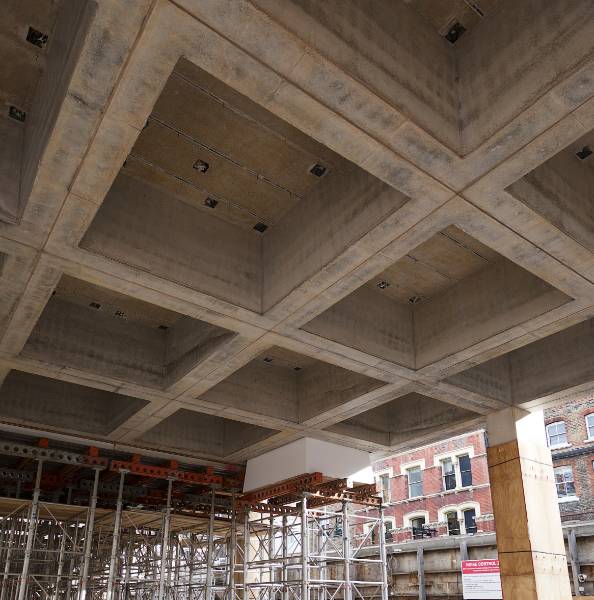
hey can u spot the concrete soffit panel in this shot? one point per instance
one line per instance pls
(239, 224)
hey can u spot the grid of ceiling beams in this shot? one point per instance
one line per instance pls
(461, 270)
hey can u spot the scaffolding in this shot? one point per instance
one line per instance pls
(318, 553)
(129, 531)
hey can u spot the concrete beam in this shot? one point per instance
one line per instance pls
(415, 142)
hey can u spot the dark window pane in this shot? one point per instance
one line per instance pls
(418, 527)
(453, 524)
(450, 481)
(469, 520)
(465, 470)
(449, 474)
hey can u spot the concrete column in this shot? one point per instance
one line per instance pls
(575, 562)
(527, 521)
(463, 550)
(421, 573)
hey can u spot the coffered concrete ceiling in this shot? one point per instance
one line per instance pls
(226, 225)
(443, 14)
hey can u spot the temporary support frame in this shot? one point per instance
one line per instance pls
(40, 549)
(315, 553)
(307, 538)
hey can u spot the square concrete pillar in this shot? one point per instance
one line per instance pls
(527, 520)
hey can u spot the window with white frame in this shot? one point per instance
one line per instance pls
(469, 518)
(460, 519)
(590, 426)
(453, 522)
(449, 474)
(389, 526)
(418, 527)
(456, 472)
(417, 522)
(416, 519)
(564, 482)
(465, 469)
(373, 528)
(556, 434)
(384, 483)
(415, 482)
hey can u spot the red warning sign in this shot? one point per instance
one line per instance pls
(481, 580)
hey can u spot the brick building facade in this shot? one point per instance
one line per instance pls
(443, 489)
(570, 435)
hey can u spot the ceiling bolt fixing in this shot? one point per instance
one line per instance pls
(201, 166)
(454, 32)
(318, 170)
(584, 152)
(17, 114)
(36, 37)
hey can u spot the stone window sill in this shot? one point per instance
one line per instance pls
(457, 489)
(567, 499)
(560, 446)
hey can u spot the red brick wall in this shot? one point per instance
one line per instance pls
(432, 504)
(579, 456)
(434, 496)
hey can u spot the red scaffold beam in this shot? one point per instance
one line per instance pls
(264, 508)
(282, 488)
(172, 472)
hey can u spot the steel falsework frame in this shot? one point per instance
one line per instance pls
(327, 552)
(306, 538)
